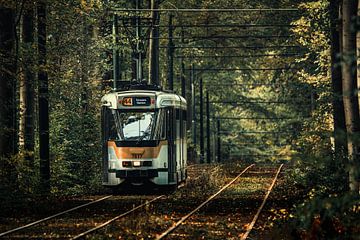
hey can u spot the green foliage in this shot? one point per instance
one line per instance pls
(19, 181)
(333, 217)
(322, 174)
(75, 67)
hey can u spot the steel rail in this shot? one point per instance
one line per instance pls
(235, 47)
(217, 37)
(177, 224)
(255, 144)
(245, 85)
(261, 155)
(242, 56)
(219, 25)
(243, 69)
(257, 118)
(247, 102)
(192, 10)
(116, 218)
(53, 216)
(257, 132)
(250, 227)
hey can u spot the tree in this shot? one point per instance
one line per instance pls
(43, 100)
(349, 87)
(7, 83)
(27, 86)
(336, 80)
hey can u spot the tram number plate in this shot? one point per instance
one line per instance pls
(127, 101)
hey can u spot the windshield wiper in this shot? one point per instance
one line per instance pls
(146, 133)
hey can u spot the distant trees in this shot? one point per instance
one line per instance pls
(8, 137)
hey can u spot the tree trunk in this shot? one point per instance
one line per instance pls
(43, 101)
(358, 50)
(27, 87)
(8, 135)
(349, 86)
(338, 105)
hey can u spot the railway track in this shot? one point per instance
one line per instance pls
(38, 229)
(171, 218)
(213, 226)
(14, 230)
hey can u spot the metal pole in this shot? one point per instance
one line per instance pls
(218, 141)
(183, 79)
(208, 152)
(201, 122)
(193, 105)
(116, 57)
(171, 55)
(154, 45)
(189, 103)
(182, 72)
(138, 46)
(214, 141)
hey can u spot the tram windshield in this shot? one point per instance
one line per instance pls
(133, 125)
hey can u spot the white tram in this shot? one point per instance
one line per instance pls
(144, 138)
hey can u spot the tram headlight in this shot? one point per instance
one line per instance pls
(126, 164)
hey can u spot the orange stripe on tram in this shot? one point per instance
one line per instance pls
(136, 152)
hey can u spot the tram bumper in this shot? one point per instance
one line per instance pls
(148, 173)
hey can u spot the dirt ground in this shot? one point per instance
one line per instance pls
(226, 217)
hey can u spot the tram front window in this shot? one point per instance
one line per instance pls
(134, 126)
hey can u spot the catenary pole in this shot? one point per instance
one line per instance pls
(208, 151)
(201, 122)
(170, 55)
(116, 57)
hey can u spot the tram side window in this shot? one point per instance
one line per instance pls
(184, 119)
(184, 115)
(104, 127)
(164, 125)
(178, 123)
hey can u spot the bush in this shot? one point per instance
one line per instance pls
(333, 217)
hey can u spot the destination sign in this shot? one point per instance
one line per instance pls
(136, 101)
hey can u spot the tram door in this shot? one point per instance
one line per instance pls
(171, 132)
(104, 138)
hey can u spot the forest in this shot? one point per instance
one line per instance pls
(272, 82)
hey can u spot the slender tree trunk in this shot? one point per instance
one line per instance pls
(43, 101)
(27, 93)
(358, 50)
(154, 45)
(8, 135)
(349, 85)
(338, 105)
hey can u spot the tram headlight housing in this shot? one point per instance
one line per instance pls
(126, 163)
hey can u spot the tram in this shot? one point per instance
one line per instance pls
(143, 137)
